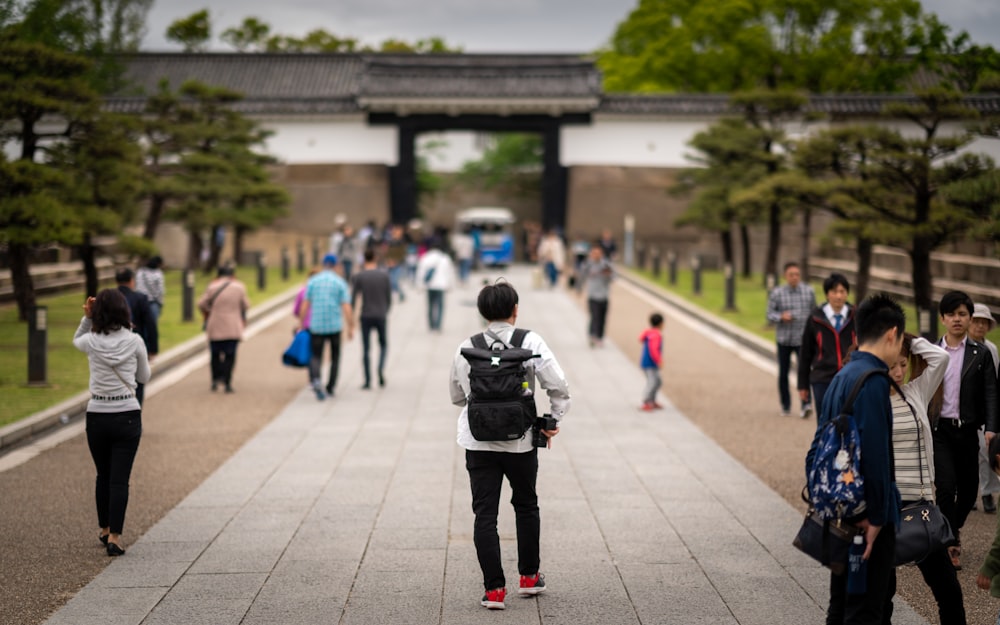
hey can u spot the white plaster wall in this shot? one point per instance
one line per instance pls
(630, 142)
(347, 139)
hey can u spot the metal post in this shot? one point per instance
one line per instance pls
(629, 240)
(187, 296)
(300, 257)
(730, 287)
(315, 253)
(261, 272)
(927, 323)
(672, 263)
(38, 346)
(640, 252)
(655, 254)
(285, 262)
(696, 274)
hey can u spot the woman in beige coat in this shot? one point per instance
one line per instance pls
(224, 306)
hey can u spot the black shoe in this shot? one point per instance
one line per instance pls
(329, 391)
(989, 506)
(103, 538)
(215, 385)
(229, 389)
(115, 550)
(381, 379)
(366, 386)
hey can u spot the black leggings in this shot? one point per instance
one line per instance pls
(223, 360)
(113, 438)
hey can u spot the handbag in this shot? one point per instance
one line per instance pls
(825, 540)
(922, 528)
(299, 352)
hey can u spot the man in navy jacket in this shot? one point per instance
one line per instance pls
(880, 323)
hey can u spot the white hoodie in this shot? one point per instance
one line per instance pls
(121, 349)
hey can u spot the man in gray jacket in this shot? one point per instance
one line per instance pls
(374, 288)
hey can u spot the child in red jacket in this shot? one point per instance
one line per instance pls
(652, 358)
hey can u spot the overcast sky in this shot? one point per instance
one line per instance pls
(477, 25)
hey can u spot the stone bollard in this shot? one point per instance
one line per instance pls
(261, 272)
(285, 264)
(38, 346)
(315, 253)
(927, 324)
(300, 257)
(655, 256)
(672, 265)
(730, 287)
(187, 295)
(696, 274)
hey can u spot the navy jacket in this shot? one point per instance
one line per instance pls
(873, 416)
(143, 319)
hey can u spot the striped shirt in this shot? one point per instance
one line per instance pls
(909, 457)
(799, 301)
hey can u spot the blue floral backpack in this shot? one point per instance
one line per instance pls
(836, 486)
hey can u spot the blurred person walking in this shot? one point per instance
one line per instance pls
(652, 361)
(826, 339)
(224, 305)
(144, 321)
(149, 280)
(372, 285)
(989, 485)
(117, 359)
(788, 308)
(327, 304)
(597, 274)
(437, 274)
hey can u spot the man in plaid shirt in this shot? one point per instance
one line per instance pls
(788, 307)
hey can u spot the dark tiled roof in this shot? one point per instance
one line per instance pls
(480, 76)
(844, 105)
(256, 76)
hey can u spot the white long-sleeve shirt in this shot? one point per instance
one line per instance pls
(545, 369)
(121, 351)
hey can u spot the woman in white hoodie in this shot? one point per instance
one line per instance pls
(118, 360)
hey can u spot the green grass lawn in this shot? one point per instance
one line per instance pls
(751, 300)
(67, 367)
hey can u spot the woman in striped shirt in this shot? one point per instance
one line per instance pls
(913, 453)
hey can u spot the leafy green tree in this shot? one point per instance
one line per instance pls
(728, 159)
(318, 40)
(725, 46)
(513, 162)
(251, 35)
(36, 81)
(193, 32)
(104, 162)
(431, 45)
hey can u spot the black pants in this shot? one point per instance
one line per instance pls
(784, 367)
(113, 438)
(874, 607)
(486, 472)
(367, 325)
(956, 470)
(223, 360)
(598, 315)
(316, 342)
(941, 578)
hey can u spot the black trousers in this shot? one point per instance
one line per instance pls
(113, 438)
(223, 360)
(367, 325)
(486, 472)
(598, 315)
(874, 607)
(784, 367)
(956, 470)
(941, 578)
(316, 342)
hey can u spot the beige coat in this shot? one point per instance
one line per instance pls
(226, 319)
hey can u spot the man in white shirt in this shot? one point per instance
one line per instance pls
(436, 273)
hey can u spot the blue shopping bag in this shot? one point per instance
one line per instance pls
(299, 352)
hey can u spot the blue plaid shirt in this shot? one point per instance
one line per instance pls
(326, 292)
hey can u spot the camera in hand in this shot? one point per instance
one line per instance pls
(544, 422)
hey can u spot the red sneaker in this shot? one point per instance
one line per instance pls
(493, 599)
(534, 585)
(647, 406)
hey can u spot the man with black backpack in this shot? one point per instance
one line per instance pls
(493, 379)
(880, 323)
